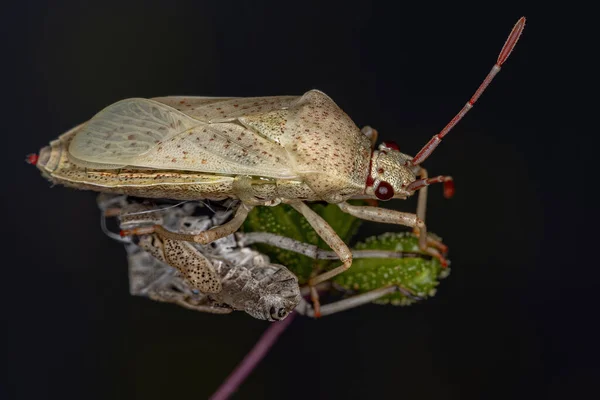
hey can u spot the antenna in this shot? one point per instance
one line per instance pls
(504, 53)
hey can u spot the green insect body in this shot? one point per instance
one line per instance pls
(417, 274)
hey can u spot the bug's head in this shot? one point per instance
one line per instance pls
(391, 173)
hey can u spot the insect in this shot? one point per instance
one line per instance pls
(263, 151)
(230, 277)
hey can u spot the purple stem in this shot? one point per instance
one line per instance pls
(244, 368)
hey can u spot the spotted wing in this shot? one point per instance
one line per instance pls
(222, 109)
(149, 134)
(126, 129)
(227, 148)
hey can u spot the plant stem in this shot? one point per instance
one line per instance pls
(251, 360)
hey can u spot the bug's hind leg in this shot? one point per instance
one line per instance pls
(227, 228)
(387, 216)
(204, 237)
(346, 304)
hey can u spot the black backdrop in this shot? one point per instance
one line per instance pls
(513, 319)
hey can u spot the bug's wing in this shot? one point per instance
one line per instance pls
(126, 129)
(197, 269)
(149, 134)
(225, 148)
(186, 103)
(221, 109)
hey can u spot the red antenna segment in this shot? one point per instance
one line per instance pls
(504, 53)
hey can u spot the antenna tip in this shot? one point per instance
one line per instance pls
(520, 25)
(512, 40)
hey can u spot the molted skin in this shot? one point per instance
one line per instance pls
(294, 148)
(229, 276)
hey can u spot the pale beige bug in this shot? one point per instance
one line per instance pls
(263, 151)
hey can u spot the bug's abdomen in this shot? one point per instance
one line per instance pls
(56, 166)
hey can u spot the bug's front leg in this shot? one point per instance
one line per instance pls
(422, 197)
(421, 210)
(387, 216)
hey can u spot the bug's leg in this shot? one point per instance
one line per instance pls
(206, 309)
(387, 216)
(421, 208)
(371, 133)
(314, 297)
(204, 237)
(384, 215)
(422, 197)
(314, 293)
(311, 250)
(227, 228)
(211, 309)
(209, 306)
(111, 212)
(351, 302)
(326, 232)
(354, 301)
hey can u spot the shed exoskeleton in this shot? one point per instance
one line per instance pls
(217, 279)
(263, 151)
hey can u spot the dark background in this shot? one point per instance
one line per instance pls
(516, 317)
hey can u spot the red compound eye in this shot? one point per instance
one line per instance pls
(384, 191)
(391, 145)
